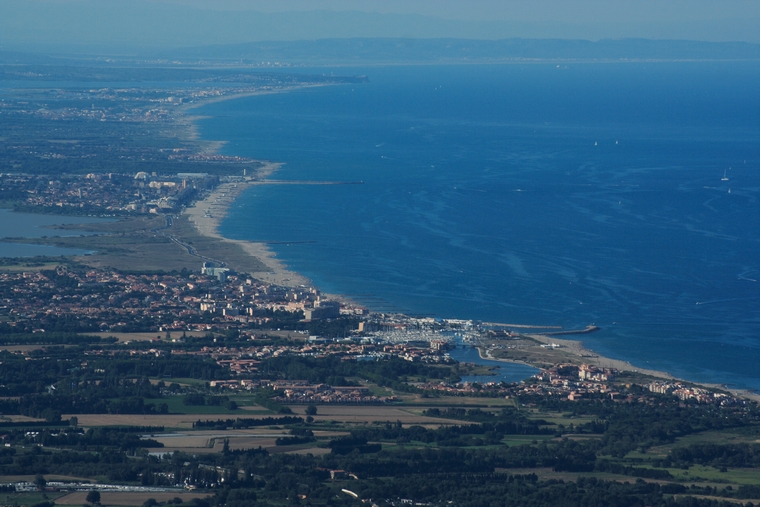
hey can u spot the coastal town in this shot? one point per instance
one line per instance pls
(104, 195)
(215, 299)
(147, 360)
(217, 340)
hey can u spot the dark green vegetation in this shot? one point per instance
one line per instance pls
(96, 376)
(656, 451)
(84, 380)
(392, 373)
(388, 463)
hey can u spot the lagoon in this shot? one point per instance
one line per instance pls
(504, 372)
(29, 225)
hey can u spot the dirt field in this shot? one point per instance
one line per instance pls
(184, 442)
(342, 413)
(21, 268)
(20, 418)
(247, 443)
(194, 439)
(166, 420)
(189, 450)
(126, 498)
(311, 450)
(208, 441)
(371, 413)
(28, 348)
(456, 401)
(51, 477)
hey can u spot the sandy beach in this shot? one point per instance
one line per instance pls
(207, 224)
(217, 203)
(206, 215)
(219, 200)
(578, 350)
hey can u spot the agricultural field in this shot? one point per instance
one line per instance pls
(362, 414)
(28, 499)
(133, 337)
(167, 420)
(127, 498)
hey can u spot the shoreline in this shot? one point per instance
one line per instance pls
(188, 125)
(207, 224)
(224, 195)
(218, 202)
(577, 349)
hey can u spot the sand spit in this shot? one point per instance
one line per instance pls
(187, 123)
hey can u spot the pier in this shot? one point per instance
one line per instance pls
(518, 326)
(587, 329)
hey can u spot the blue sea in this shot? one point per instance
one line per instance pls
(623, 195)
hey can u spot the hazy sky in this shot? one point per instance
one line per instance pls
(176, 23)
(509, 10)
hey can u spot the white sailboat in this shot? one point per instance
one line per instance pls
(724, 178)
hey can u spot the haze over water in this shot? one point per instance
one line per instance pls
(537, 194)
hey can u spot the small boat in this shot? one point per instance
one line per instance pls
(724, 178)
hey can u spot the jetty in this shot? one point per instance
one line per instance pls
(587, 329)
(518, 326)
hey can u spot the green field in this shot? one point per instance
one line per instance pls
(177, 407)
(705, 473)
(29, 499)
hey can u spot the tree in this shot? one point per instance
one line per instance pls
(93, 497)
(50, 415)
(311, 410)
(40, 482)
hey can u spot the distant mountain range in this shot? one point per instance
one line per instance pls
(402, 50)
(132, 27)
(387, 50)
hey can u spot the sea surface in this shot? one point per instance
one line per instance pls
(623, 195)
